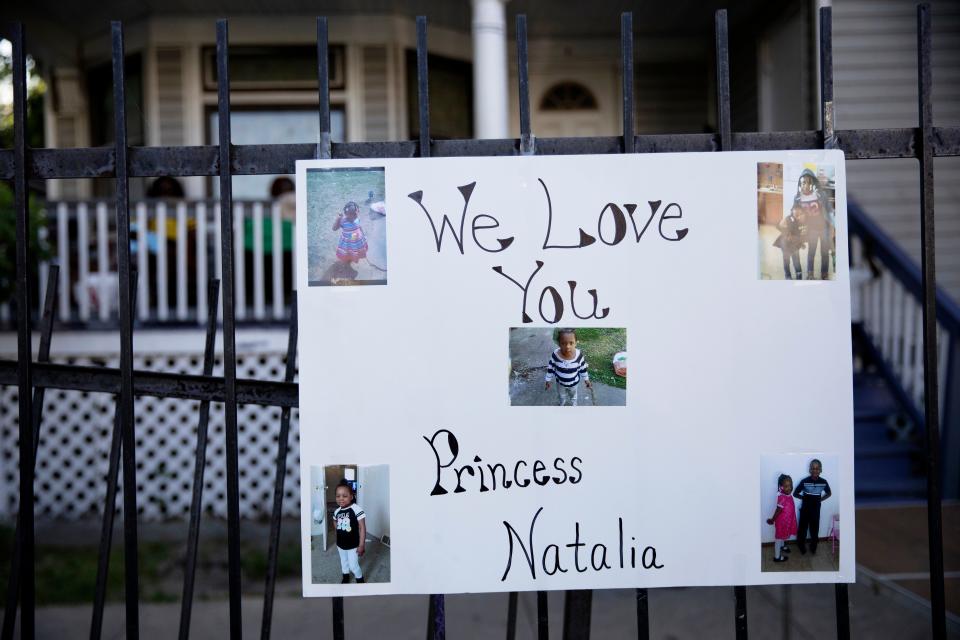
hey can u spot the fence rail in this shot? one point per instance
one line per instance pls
(225, 160)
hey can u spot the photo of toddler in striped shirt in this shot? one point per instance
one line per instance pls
(568, 367)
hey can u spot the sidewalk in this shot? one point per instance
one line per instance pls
(893, 553)
(888, 600)
(674, 614)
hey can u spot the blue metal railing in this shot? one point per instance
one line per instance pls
(890, 300)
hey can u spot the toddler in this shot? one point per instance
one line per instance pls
(812, 490)
(352, 246)
(784, 518)
(568, 366)
(789, 242)
(351, 529)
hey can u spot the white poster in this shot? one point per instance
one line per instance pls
(574, 372)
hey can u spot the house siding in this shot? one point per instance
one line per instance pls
(875, 86)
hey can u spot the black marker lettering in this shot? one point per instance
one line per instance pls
(526, 318)
(504, 242)
(528, 555)
(593, 294)
(681, 233)
(585, 238)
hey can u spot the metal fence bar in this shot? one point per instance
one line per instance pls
(282, 447)
(436, 621)
(109, 507)
(512, 615)
(626, 69)
(826, 78)
(843, 611)
(199, 465)
(643, 615)
(543, 616)
(523, 88)
(740, 607)
(629, 146)
(153, 383)
(266, 159)
(24, 344)
(323, 151)
(338, 626)
(423, 89)
(436, 618)
(229, 329)
(576, 613)
(323, 85)
(106, 530)
(723, 80)
(829, 142)
(127, 425)
(43, 355)
(928, 274)
(726, 144)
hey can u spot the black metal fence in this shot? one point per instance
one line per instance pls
(225, 160)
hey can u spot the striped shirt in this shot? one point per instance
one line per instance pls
(567, 372)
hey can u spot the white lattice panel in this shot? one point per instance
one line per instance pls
(75, 435)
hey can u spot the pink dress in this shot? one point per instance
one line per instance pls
(786, 521)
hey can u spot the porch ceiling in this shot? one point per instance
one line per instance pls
(55, 28)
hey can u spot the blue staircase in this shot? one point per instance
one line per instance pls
(889, 430)
(888, 455)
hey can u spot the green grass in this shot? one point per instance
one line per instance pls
(598, 347)
(68, 573)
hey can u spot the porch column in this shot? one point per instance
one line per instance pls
(490, 68)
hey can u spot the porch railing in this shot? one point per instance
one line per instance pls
(175, 245)
(887, 299)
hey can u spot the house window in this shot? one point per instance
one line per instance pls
(451, 97)
(274, 67)
(568, 96)
(270, 125)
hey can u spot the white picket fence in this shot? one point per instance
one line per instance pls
(178, 240)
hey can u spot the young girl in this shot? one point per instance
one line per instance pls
(352, 246)
(784, 518)
(351, 529)
(568, 366)
(814, 213)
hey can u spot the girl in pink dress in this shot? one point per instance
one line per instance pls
(784, 518)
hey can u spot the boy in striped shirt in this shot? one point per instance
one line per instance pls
(568, 366)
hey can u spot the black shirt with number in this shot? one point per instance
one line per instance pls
(347, 522)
